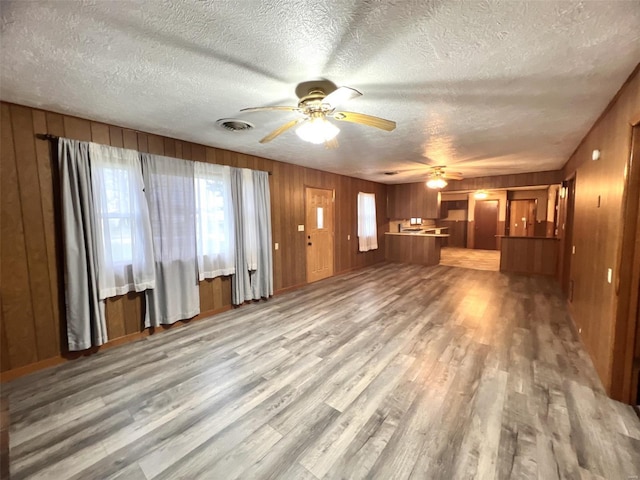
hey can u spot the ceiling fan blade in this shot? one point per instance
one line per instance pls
(363, 119)
(453, 175)
(259, 109)
(341, 95)
(282, 129)
(331, 144)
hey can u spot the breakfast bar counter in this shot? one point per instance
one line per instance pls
(413, 247)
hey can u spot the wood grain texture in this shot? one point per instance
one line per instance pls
(626, 362)
(443, 373)
(529, 255)
(17, 311)
(412, 200)
(32, 320)
(506, 181)
(4, 438)
(597, 231)
(417, 249)
(457, 230)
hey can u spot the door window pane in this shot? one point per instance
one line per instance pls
(320, 214)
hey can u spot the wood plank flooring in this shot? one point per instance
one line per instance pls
(391, 372)
(470, 258)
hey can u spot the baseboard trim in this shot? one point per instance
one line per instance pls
(14, 373)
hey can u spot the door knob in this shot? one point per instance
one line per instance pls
(309, 243)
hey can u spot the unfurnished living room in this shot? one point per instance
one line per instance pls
(278, 239)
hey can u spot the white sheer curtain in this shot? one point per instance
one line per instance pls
(214, 220)
(367, 228)
(170, 193)
(123, 233)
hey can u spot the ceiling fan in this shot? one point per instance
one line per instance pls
(437, 177)
(316, 108)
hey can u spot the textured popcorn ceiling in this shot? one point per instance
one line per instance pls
(485, 87)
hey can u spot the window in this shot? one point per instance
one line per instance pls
(123, 230)
(367, 228)
(214, 220)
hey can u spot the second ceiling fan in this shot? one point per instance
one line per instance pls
(316, 108)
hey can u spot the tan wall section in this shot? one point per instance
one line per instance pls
(32, 322)
(597, 230)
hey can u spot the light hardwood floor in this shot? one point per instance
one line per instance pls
(391, 372)
(470, 258)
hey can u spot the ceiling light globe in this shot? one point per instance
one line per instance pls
(317, 130)
(436, 183)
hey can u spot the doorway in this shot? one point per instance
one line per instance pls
(522, 218)
(320, 228)
(626, 345)
(485, 217)
(567, 228)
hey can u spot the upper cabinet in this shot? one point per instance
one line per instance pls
(412, 200)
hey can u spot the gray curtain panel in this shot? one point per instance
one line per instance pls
(170, 192)
(86, 322)
(255, 283)
(240, 284)
(262, 278)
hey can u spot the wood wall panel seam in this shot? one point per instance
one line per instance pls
(635, 73)
(287, 185)
(44, 161)
(17, 314)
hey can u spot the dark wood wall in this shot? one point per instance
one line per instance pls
(457, 231)
(597, 230)
(32, 321)
(505, 181)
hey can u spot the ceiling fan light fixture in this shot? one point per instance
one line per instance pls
(436, 183)
(317, 130)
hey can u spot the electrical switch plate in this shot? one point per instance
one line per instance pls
(573, 249)
(301, 228)
(609, 275)
(348, 237)
(277, 246)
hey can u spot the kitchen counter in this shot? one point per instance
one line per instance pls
(533, 238)
(418, 234)
(413, 247)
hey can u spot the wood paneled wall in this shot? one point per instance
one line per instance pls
(536, 255)
(32, 324)
(598, 225)
(505, 181)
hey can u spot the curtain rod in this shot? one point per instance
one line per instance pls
(50, 137)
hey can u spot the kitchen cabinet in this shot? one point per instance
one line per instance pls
(412, 200)
(452, 205)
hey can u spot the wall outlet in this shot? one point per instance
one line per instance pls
(301, 228)
(609, 275)
(277, 246)
(348, 237)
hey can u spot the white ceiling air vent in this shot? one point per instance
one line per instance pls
(233, 125)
